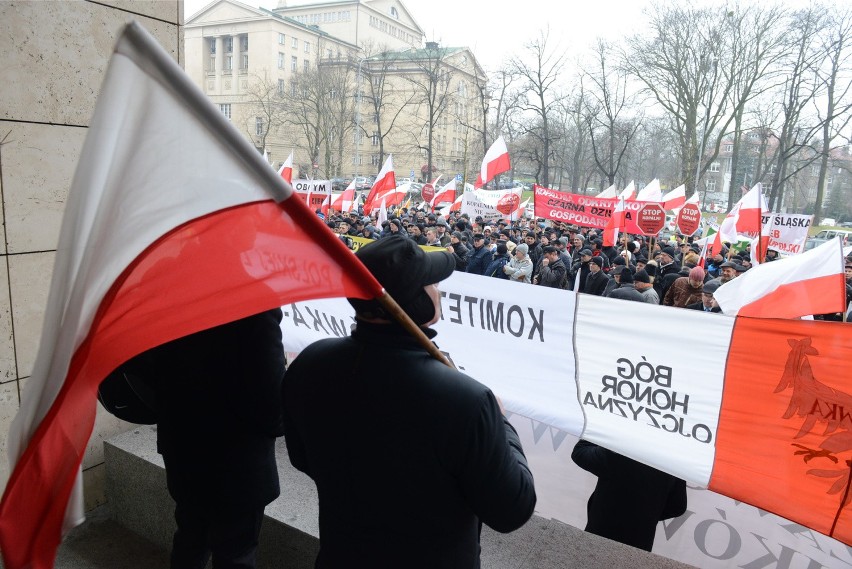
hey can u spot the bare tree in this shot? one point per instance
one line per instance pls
(266, 112)
(803, 57)
(757, 39)
(431, 93)
(678, 64)
(608, 112)
(540, 69)
(836, 85)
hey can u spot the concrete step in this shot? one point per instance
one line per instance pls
(138, 500)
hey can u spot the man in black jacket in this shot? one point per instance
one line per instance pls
(630, 497)
(409, 456)
(552, 271)
(597, 279)
(217, 397)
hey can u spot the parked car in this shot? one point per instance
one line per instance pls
(827, 235)
(364, 182)
(339, 184)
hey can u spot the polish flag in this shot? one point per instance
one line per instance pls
(629, 192)
(616, 222)
(447, 194)
(167, 229)
(343, 202)
(383, 213)
(610, 192)
(326, 204)
(455, 206)
(752, 206)
(286, 170)
(651, 192)
(496, 162)
(675, 199)
(811, 283)
(394, 196)
(694, 199)
(385, 181)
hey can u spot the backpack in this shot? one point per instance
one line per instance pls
(128, 397)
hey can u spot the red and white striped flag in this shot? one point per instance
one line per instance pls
(168, 228)
(447, 194)
(385, 182)
(344, 201)
(651, 192)
(811, 283)
(629, 192)
(615, 223)
(496, 162)
(675, 199)
(610, 192)
(286, 170)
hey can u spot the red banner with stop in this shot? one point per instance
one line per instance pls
(587, 211)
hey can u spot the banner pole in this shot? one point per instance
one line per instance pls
(400, 316)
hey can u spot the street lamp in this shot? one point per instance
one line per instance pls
(358, 117)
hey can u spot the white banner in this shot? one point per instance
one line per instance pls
(787, 231)
(518, 340)
(312, 186)
(475, 207)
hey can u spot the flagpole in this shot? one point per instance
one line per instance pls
(399, 314)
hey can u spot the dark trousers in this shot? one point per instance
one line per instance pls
(210, 525)
(229, 536)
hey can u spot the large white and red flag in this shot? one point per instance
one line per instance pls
(675, 199)
(615, 223)
(629, 192)
(173, 224)
(496, 162)
(811, 283)
(610, 192)
(651, 192)
(385, 182)
(745, 217)
(286, 170)
(446, 194)
(344, 201)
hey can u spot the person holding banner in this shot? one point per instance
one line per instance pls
(409, 455)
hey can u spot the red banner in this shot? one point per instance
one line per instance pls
(587, 211)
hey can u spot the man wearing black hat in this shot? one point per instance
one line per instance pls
(580, 269)
(597, 279)
(626, 289)
(411, 458)
(479, 258)
(552, 271)
(667, 267)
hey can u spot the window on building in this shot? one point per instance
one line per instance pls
(710, 184)
(212, 42)
(294, 43)
(328, 53)
(225, 109)
(374, 159)
(280, 39)
(307, 47)
(280, 60)
(244, 62)
(244, 43)
(375, 138)
(307, 65)
(394, 13)
(754, 136)
(258, 126)
(229, 44)
(229, 62)
(714, 167)
(294, 63)
(281, 87)
(729, 148)
(294, 89)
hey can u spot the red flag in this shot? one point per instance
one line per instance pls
(286, 170)
(196, 231)
(496, 162)
(385, 181)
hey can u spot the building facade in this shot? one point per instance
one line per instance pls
(341, 85)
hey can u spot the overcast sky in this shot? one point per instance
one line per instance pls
(495, 33)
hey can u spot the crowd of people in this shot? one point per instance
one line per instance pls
(670, 272)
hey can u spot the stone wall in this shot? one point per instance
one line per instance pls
(55, 54)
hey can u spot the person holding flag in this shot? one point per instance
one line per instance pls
(434, 456)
